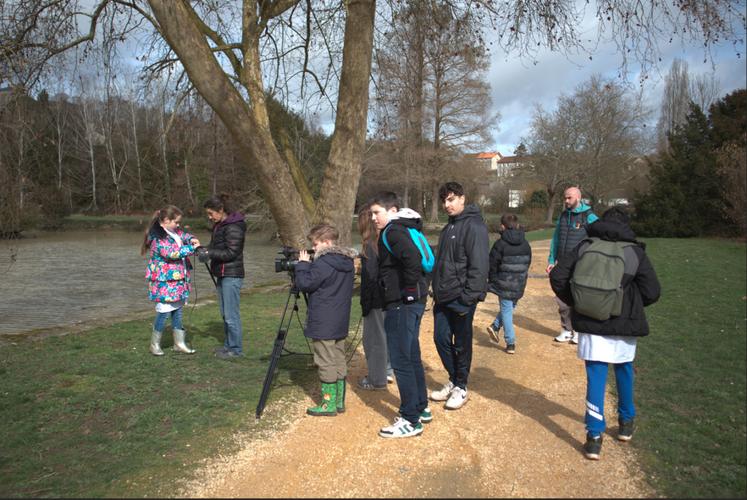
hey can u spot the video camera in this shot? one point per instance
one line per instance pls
(289, 259)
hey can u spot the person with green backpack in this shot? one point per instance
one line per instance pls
(607, 279)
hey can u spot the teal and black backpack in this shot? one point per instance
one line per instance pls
(596, 284)
(426, 254)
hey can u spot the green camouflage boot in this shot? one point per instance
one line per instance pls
(341, 395)
(328, 406)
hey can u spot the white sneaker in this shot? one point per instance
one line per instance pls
(574, 338)
(564, 336)
(443, 393)
(390, 379)
(401, 428)
(457, 399)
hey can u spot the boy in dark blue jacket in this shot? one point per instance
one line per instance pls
(329, 282)
(509, 266)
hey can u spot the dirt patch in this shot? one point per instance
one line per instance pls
(519, 435)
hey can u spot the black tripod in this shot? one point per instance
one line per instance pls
(278, 349)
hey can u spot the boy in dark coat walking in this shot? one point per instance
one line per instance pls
(612, 340)
(509, 258)
(329, 282)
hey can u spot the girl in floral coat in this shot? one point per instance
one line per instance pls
(168, 274)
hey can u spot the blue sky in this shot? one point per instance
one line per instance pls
(516, 85)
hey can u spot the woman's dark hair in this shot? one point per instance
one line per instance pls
(218, 203)
(168, 212)
(367, 229)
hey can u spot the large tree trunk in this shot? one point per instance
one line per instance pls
(254, 141)
(337, 201)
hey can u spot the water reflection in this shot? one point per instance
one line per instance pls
(65, 278)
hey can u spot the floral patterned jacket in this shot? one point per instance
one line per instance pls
(168, 272)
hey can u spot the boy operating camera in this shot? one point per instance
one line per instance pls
(329, 282)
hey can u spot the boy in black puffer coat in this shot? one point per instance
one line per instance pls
(329, 282)
(614, 340)
(510, 258)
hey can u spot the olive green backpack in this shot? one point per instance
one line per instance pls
(596, 283)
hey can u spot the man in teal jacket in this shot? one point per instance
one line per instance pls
(569, 232)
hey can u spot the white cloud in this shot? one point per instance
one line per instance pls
(517, 85)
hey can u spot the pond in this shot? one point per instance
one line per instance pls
(59, 279)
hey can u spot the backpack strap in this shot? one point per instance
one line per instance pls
(383, 238)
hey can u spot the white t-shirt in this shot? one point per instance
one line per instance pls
(164, 307)
(608, 349)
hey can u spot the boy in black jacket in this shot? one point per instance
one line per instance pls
(404, 291)
(510, 258)
(613, 340)
(460, 281)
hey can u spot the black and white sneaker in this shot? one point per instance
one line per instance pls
(625, 430)
(593, 447)
(401, 428)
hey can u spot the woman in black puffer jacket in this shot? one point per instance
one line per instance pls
(226, 255)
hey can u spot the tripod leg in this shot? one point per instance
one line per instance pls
(277, 350)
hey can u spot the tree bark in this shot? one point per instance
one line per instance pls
(253, 140)
(340, 185)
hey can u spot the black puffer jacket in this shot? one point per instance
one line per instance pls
(370, 290)
(461, 269)
(329, 282)
(510, 258)
(400, 269)
(226, 248)
(640, 289)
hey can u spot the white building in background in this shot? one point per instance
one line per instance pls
(504, 168)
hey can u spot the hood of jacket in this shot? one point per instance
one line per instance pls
(470, 210)
(610, 231)
(231, 218)
(513, 236)
(340, 258)
(582, 207)
(407, 217)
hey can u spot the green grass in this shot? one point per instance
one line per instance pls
(540, 234)
(95, 415)
(690, 384)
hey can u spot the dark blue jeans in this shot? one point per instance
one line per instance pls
(452, 334)
(402, 325)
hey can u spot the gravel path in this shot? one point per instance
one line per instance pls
(519, 435)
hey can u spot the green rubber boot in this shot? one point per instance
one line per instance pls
(328, 406)
(341, 395)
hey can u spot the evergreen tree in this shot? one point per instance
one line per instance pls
(685, 195)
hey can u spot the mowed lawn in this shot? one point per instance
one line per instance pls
(93, 414)
(690, 382)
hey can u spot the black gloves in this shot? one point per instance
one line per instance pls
(202, 254)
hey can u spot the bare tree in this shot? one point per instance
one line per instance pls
(432, 99)
(229, 67)
(675, 104)
(592, 140)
